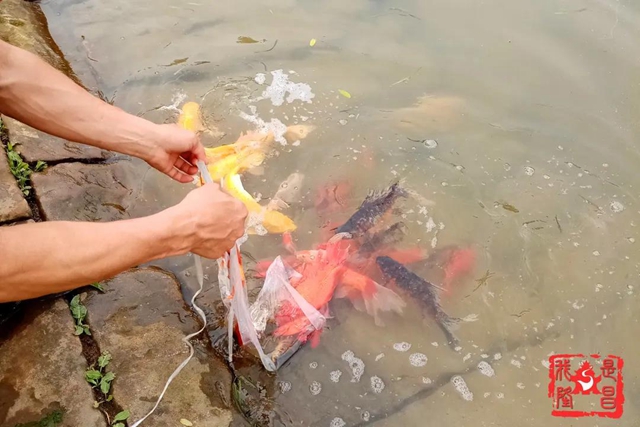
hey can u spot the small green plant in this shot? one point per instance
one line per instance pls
(120, 416)
(21, 170)
(50, 420)
(79, 313)
(100, 378)
(98, 286)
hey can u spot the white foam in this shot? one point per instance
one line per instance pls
(401, 346)
(356, 364)
(313, 365)
(315, 388)
(486, 369)
(337, 422)
(418, 359)
(280, 86)
(616, 206)
(365, 415)
(285, 386)
(334, 376)
(461, 387)
(377, 385)
(380, 356)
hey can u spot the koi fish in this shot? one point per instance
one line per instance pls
(272, 221)
(375, 205)
(423, 292)
(287, 192)
(190, 118)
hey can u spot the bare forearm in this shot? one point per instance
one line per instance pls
(50, 257)
(38, 95)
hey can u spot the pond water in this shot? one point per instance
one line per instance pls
(534, 109)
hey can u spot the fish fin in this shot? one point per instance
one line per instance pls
(375, 299)
(340, 236)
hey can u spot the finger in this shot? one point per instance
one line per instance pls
(185, 167)
(179, 176)
(197, 151)
(190, 158)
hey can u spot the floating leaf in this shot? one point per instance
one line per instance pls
(312, 42)
(245, 39)
(121, 416)
(177, 61)
(186, 422)
(344, 93)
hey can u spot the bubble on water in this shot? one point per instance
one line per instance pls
(507, 167)
(337, 422)
(426, 380)
(280, 86)
(313, 365)
(497, 356)
(596, 253)
(545, 363)
(380, 356)
(377, 385)
(334, 376)
(520, 386)
(343, 122)
(461, 387)
(631, 240)
(500, 395)
(435, 344)
(486, 369)
(516, 363)
(284, 386)
(546, 176)
(528, 170)
(598, 287)
(430, 143)
(418, 359)
(315, 388)
(365, 415)
(616, 206)
(466, 357)
(486, 394)
(484, 355)
(356, 365)
(401, 346)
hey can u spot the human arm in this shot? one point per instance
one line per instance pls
(35, 93)
(50, 257)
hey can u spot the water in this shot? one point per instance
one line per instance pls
(479, 106)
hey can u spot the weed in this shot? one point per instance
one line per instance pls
(51, 420)
(21, 170)
(98, 286)
(98, 377)
(79, 313)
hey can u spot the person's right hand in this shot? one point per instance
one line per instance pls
(210, 220)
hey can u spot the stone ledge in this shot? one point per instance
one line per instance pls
(13, 206)
(34, 145)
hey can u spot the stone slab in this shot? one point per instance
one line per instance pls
(141, 320)
(81, 192)
(13, 206)
(34, 145)
(42, 370)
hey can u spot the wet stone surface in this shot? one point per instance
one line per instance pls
(81, 192)
(12, 205)
(34, 145)
(141, 320)
(42, 370)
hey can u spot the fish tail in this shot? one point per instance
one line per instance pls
(371, 297)
(448, 326)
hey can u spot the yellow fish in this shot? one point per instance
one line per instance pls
(190, 117)
(272, 221)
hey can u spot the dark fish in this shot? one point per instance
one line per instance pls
(371, 210)
(423, 292)
(386, 237)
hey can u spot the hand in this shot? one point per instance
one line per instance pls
(174, 152)
(209, 221)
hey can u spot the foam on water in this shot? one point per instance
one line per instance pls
(486, 369)
(365, 415)
(315, 388)
(284, 386)
(337, 422)
(461, 387)
(356, 364)
(334, 376)
(418, 359)
(401, 346)
(313, 365)
(377, 385)
(280, 86)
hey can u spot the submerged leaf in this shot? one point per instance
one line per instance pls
(344, 93)
(245, 39)
(312, 42)
(186, 422)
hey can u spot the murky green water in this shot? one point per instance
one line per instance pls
(532, 103)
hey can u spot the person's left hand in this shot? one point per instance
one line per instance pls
(174, 152)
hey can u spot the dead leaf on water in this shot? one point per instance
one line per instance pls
(177, 61)
(344, 93)
(312, 42)
(245, 39)
(186, 422)
(508, 207)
